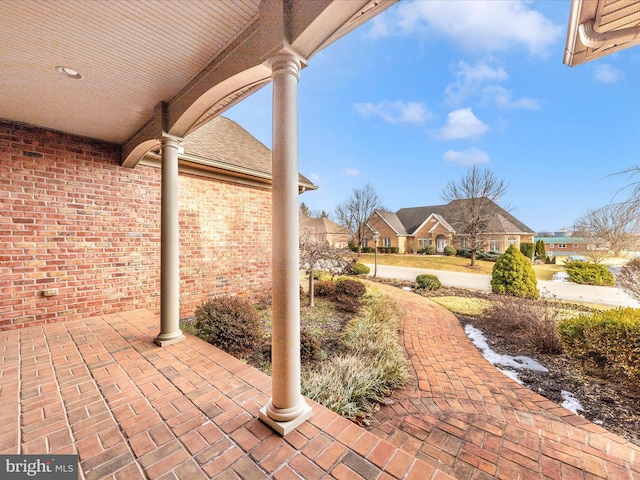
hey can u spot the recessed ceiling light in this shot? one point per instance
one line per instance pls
(69, 73)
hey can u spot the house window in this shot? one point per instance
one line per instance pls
(575, 245)
(562, 245)
(386, 242)
(512, 241)
(463, 243)
(550, 245)
(422, 242)
(494, 245)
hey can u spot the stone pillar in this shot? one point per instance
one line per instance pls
(169, 245)
(286, 409)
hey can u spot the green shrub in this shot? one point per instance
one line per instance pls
(527, 249)
(229, 323)
(367, 250)
(350, 288)
(450, 250)
(321, 275)
(539, 251)
(513, 275)
(589, 273)
(428, 282)
(359, 269)
(324, 288)
(606, 342)
(428, 250)
(395, 250)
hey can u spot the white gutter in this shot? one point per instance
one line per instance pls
(592, 39)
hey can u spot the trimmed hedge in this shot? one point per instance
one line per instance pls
(450, 250)
(229, 323)
(480, 255)
(605, 342)
(428, 282)
(359, 269)
(428, 250)
(589, 273)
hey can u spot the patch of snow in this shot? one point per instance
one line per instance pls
(571, 403)
(408, 289)
(598, 422)
(519, 363)
(511, 374)
(560, 277)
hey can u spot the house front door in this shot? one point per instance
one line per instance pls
(441, 242)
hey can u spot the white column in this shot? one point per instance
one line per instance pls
(169, 245)
(286, 409)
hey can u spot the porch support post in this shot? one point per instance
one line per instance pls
(286, 409)
(169, 245)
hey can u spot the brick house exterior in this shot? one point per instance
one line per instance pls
(412, 229)
(566, 245)
(321, 229)
(80, 234)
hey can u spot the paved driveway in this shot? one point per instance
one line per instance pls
(560, 290)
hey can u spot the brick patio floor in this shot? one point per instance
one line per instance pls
(461, 414)
(130, 409)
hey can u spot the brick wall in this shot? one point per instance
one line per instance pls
(77, 225)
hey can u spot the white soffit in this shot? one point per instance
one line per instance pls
(601, 27)
(132, 54)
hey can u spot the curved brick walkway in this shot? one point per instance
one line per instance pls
(463, 416)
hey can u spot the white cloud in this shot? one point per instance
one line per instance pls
(396, 112)
(460, 124)
(483, 26)
(350, 172)
(469, 79)
(605, 73)
(503, 98)
(470, 156)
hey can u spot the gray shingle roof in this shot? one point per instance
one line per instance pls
(502, 222)
(321, 225)
(230, 146)
(393, 220)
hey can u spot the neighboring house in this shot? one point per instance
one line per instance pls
(80, 234)
(321, 229)
(558, 246)
(412, 229)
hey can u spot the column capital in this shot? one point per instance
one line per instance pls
(285, 61)
(167, 138)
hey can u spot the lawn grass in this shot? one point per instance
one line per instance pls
(453, 264)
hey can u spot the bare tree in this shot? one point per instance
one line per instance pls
(355, 212)
(628, 278)
(614, 228)
(474, 198)
(319, 255)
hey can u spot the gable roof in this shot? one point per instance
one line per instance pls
(321, 225)
(392, 220)
(223, 146)
(502, 222)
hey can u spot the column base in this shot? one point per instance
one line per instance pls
(303, 413)
(167, 339)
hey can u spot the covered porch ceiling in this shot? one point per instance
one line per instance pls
(145, 67)
(601, 27)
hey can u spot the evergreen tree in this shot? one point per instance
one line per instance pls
(513, 275)
(541, 254)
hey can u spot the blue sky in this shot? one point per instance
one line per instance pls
(413, 98)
